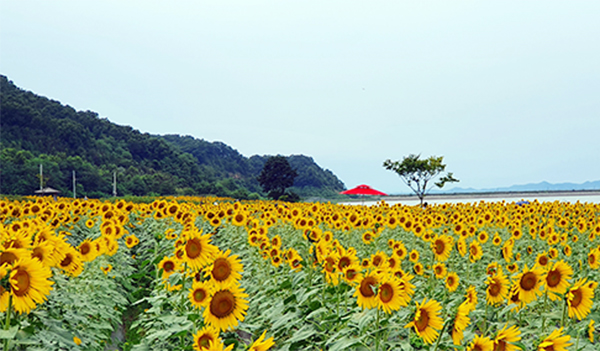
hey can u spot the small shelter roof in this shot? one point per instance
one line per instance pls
(47, 191)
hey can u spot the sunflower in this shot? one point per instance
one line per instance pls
(557, 277)
(418, 268)
(442, 247)
(131, 241)
(366, 293)
(226, 268)
(528, 284)
(475, 251)
(261, 344)
(44, 252)
(368, 237)
(71, 263)
(88, 250)
(226, 307)
(389, 295)
(591, 330)
(107, 269)
(452, 281)
(481, 343)
(10, 256)
(199, 294)
(506, 337)
(555, 341)
(413, 256)
(497, 240)
(427, 321)
(30, 284)
(461, 322)
(352, 274)
(198, 250)
(440, 270)
(204, 337)
(594, 258)
(169, 265)
(580, 298)
(497, 288)
(471, 297)
(89, 223)
(332, 275)
(378, 258)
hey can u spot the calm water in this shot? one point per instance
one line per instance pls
(583, 198)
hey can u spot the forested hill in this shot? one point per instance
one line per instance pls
(35, 130)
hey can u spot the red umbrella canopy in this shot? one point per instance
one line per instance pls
(362, 190)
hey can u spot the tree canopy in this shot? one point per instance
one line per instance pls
(418, 173)
(36, 130)
(276, 176)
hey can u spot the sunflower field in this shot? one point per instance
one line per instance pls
(206, 273)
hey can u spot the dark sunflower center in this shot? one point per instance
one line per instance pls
(204, 341)
(450, 281)
(386, 293)
(344, 262)
(38, 253)
(193, 248)
(377, 261)
(528, 281)
(423, 321)
(66, 261)
(222, 304)
(22, 282)
(199, 295)
(439, 247)
(473, 250)
(329, 265)
(543, 260)
(351, 274)
(553, 278)
(221, 269)
(168, 266)
(239, 218)
(500, 345)
(495, 288)
(577, 297)
(85, 249)
(7, 257)
(367, 285)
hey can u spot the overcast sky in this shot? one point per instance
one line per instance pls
(507, 91)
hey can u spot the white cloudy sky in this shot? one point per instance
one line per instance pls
(508, 92)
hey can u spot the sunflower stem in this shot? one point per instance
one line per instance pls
(544, 314)
(7, 322)
(377, 332)
(437, 343)
(564, 312)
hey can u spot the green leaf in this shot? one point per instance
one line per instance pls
(10, 333)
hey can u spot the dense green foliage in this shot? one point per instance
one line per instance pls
(276, 176)
(36, 130)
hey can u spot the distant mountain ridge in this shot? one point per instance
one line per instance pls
(38, 131)
(542, 186)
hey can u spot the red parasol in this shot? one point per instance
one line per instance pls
(363, 190)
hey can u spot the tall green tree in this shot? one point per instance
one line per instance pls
(419, 174)
(276, 176)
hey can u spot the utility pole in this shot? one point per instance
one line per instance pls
(74, 188)
(41, 177)
(115, 183)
